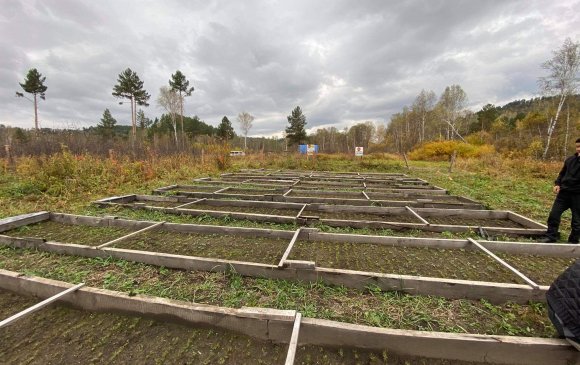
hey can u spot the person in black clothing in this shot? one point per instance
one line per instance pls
(563, 298)
(567, 188)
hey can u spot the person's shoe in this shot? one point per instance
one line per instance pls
(547, 240)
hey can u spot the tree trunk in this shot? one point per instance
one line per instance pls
(552, 125)
(133, 122)
(245, 138)
(175, 131)
(567, 131)
(181, 117)
(454, 131)
(422, 138)
(35, 114)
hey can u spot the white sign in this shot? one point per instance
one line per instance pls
(310, 149)
(358, 151)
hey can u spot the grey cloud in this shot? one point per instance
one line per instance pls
(341, 61)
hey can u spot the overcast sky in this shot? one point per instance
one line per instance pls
(342, 61)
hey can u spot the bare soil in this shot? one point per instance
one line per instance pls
(256, 210)
(61, 335)
(464, 221)
(540, 269)
(424, 261)
(355, 216)
(228, 247)
(229, 208)
(69, 233)
(314, 194)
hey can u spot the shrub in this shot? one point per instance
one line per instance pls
(442, 150)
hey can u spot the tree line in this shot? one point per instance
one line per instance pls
(171, 98)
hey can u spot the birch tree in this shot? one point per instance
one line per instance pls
(170, 101)
(245, 119)
(452, 103)
(562, 80)
(423, 105)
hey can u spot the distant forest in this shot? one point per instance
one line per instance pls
(518, 127)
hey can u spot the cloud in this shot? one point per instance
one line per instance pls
(341, 62)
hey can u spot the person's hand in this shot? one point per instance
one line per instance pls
(556, 189)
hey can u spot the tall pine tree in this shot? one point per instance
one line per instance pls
(129, 86)
(295, 132)
(34, 84)
(180, 84)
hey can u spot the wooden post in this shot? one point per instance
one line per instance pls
(452, 161)
(111, 154)
(202, 156)
(406, 162)
(10, 165)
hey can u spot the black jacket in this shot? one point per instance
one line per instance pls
(564, 298)
(569, 177)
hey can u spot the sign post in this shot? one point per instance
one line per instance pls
(358, 151)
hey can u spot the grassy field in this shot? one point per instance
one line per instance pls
(68, 183)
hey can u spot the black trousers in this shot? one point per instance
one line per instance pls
(564, 201)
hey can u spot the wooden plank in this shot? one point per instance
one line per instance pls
(254, 204)
(39, 306)
(157, 198)
(293, 340)
(189, 203)
(300, 264)
(466, 213)
(416, 215)
(373, 224)
(80, 219)
(289, 248)
(117, 199)
(131, 235)
(221, 190)
(301, 210)
(288, 192)
(524, 221)
(508, 266)
(9, 223)
(256, 217)
(166, 188)
(366, 196)
(454, 347)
